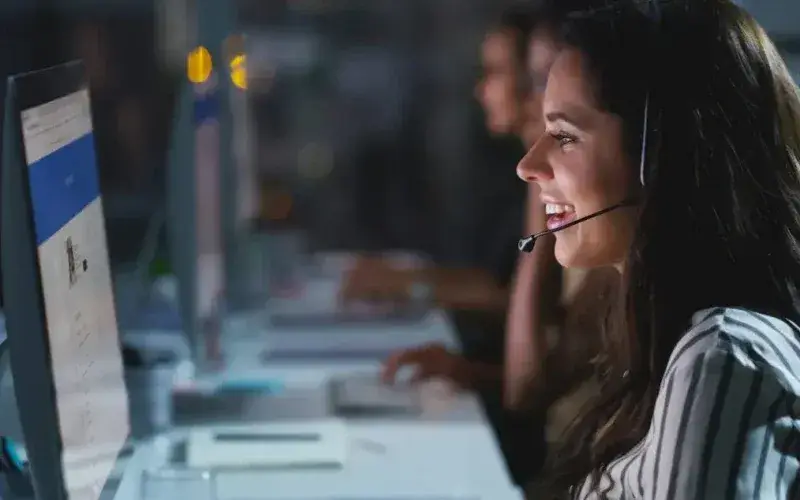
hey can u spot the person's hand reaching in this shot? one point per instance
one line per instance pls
(428, 361)
(375, 280)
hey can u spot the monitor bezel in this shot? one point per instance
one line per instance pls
(31, 360)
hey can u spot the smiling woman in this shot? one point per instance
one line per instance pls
(700, 372)
(572, 160)
(577, 170)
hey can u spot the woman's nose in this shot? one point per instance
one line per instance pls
(533, 167)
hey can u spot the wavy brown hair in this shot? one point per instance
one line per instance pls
(720, 213)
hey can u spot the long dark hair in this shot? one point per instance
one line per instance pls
(720, 213)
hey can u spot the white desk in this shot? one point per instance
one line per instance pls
(446, 453)
(387, 460)
(449, 452)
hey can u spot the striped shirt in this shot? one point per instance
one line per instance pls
(726, 423)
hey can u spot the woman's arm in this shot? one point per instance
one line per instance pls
(465, 288)
(448, 288)
(534, 304)
(435, 360)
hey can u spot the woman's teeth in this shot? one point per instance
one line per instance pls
(553, 209)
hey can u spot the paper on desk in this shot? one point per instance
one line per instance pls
(273, 445)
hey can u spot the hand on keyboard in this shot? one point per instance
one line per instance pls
(427, 361)
(368, 392)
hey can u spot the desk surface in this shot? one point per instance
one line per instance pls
(386, 460)
(447, 452)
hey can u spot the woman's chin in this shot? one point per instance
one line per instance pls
(564, 253)
(569, 253)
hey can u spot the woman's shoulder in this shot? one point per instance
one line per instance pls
(750, 339)
(727, 409)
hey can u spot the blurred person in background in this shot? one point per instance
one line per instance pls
(551, 315)
(474, 287)
(515, 56)
(501, 91)
(550, 332)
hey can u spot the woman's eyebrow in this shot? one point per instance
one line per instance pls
(570, 115)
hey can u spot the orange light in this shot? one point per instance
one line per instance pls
(239, 71)
(199, 65)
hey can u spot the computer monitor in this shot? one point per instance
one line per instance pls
(194, 219)
(60, 315)
(246, 284)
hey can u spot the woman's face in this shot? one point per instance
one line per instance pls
(580, 167)
(498, 90)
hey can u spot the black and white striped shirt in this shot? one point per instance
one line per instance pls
(726, 424)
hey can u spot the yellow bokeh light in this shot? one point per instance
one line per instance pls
(239, 71)
(198, 65)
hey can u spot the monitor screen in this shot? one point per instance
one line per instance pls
(80, 318)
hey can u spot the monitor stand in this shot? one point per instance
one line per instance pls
(15, 483)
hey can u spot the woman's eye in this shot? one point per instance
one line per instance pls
(563, 139)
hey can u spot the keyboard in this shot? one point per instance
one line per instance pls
(366, 395)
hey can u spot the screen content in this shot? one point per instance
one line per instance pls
(76, 283)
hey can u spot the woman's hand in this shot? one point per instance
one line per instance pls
(428, 361)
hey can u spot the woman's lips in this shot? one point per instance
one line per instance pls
(555, 221)
(559, 214)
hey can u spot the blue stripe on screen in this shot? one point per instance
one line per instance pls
(62, 184)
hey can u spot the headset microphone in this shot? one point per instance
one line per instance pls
(526, 244)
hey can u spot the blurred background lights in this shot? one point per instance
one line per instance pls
(198, 65)
(239, 71)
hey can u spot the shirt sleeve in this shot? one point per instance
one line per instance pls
(725, 428)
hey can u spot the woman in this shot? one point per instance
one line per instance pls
(701, 372)
(543, 374)
(516, 54)
(483, 287)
